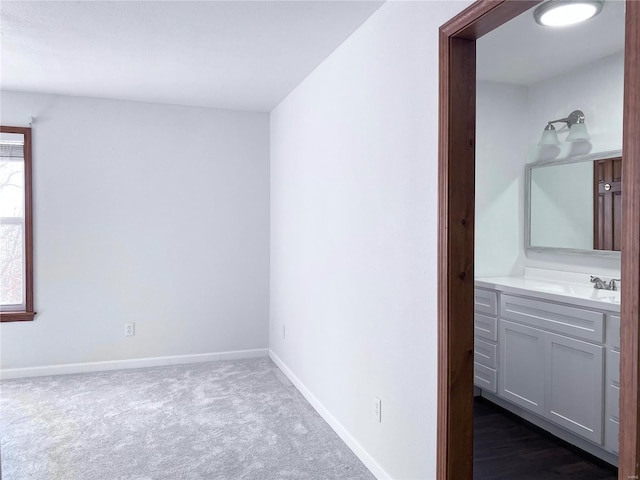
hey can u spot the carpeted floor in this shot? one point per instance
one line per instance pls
(215, 421)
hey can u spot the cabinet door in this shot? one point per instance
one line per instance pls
(522, 365)
(574, 386)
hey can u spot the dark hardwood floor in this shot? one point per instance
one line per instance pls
(506, 447)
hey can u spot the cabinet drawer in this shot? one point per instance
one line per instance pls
(485, 327)
(485, 301)
(613, 367)
(486, 378)
(613, 331)
(485, 353)
(576, 322)
(611, 430)
(613, 402)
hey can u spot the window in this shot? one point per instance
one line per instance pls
(16, 232)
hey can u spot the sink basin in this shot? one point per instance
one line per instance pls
(611, 296)
(607, 296)
(567, 289)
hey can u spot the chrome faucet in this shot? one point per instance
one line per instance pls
(612, 283)
(600, 284)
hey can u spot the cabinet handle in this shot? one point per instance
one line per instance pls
(607, 186)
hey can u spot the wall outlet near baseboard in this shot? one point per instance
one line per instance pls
(129, 329)
(377, 409)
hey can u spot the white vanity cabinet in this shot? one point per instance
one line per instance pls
(549, 372)
(556, 364)
(554, 376)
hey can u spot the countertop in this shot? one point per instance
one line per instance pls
(554, 290)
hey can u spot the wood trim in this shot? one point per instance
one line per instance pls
(29, 313)
(596, 207)
(456, 200)
(455, 239)
(484, 16)
(17, 316)
(630, 308)
(455, 269)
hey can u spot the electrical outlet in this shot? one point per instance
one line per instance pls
(284, 332)
(129, 329)
(377, 409)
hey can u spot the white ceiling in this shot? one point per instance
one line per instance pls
(522, 52)
(244, 55)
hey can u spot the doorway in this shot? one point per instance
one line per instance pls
(456, 236)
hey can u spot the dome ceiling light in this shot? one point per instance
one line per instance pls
(560, 13)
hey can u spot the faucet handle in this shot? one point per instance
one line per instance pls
(612, 283)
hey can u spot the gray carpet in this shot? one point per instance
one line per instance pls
(220, 420)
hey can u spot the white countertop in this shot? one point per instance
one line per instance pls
(556, 290)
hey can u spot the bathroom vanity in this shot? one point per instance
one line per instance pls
(547, 347)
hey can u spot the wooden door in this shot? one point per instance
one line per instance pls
(607, 208)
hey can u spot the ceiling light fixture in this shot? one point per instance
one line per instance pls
(559, 13)
(577, 130)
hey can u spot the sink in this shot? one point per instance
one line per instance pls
(610, 296)
(567, 289)
(573, 285)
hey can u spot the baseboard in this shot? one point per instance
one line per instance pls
(64, 369)
(342, 432)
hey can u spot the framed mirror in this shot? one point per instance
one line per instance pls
(574, 206)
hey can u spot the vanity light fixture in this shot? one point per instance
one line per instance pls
(560, 13)
(577, 129)
(549, 136)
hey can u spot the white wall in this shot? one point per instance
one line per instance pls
(502, 135)
(597, 90)
(144, 213)
(353, 233)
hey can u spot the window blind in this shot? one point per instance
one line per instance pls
(11, 150)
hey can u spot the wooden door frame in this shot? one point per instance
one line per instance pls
(456, 196)
(604, 218)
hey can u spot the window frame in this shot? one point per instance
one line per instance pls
(28, 313)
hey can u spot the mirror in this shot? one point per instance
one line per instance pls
(573, 206)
